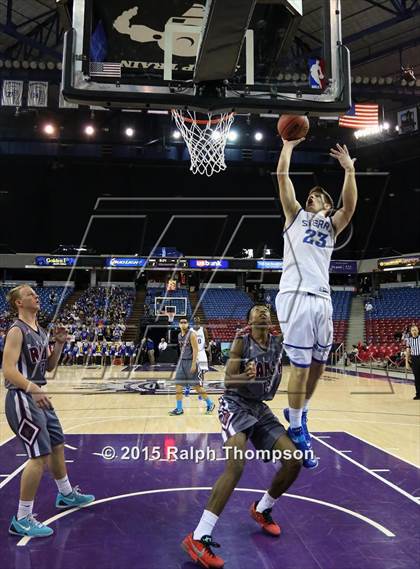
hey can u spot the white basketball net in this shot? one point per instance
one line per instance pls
(205, 139)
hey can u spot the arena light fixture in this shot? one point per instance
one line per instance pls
(49, 129)
(258, 136)
(89, 130)
(366, 80)
(381, 80)
(129, 132)
(357, 79)
(176, 134)
(372, 131)
(232, 136)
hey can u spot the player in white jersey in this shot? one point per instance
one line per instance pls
(202, 340)
(303, 303)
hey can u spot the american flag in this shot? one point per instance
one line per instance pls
(360, 116)
(104, 69)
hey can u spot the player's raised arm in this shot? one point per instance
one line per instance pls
(287, 191)
(342, 217)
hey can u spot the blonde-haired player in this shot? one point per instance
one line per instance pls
(29, 411)
(303, 304)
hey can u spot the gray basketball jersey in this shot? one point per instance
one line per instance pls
(185, 346)
(268, 367)
(32, 362)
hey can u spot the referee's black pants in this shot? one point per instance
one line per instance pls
(415, 364)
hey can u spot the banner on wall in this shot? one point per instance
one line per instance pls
(394, 263)
(408, 120)
(55, 261)
(38, 94)
(12, 93)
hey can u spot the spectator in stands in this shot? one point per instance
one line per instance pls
(405, 334)
(368, 306)
(150, 348)
(353, 353)
(52, 297)
(162, 345)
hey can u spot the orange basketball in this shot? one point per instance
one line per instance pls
(292, 127)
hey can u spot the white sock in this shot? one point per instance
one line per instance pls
(64, 486)
(25, 508)
(205, 525)
(306, 405)
(265, 503)
(295, 416)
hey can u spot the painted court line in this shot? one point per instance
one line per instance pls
(13, 474)
(7, 440)
(70, 447)
(361, 466)
(380, 470)
(381, 448)
(65, 513)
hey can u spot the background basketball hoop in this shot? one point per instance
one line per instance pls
(205, 139)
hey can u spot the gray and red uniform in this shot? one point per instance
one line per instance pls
(242, 409)
(38, 429)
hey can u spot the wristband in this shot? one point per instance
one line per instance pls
(28, 387)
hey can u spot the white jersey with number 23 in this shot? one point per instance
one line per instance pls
(308, 246)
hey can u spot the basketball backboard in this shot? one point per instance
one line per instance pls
(181, 54)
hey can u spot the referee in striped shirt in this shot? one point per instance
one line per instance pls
(412, 356)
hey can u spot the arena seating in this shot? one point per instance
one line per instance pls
(393, 311)
(44, 293)
(225, 310)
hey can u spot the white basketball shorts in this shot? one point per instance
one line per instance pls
(202, 361)
(307, 326)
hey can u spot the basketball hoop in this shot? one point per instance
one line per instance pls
(205, 139)
(171, 316)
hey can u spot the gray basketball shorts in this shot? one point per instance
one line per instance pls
(183, 375)
(254, 418)
(38, 429)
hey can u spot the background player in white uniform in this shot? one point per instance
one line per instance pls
(202, 340)
(303, 303)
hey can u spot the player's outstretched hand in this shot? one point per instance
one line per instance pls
(292, 143)
(341, 154)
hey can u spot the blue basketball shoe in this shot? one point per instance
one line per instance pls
(304, 422)
(74, 500)
(29, 527)
(297, 436)
(187, 391)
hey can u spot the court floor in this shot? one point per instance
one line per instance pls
(360, 508)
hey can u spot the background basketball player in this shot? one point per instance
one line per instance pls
(303, 303)
(187, 370)
(253, 374)
(29, 411)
